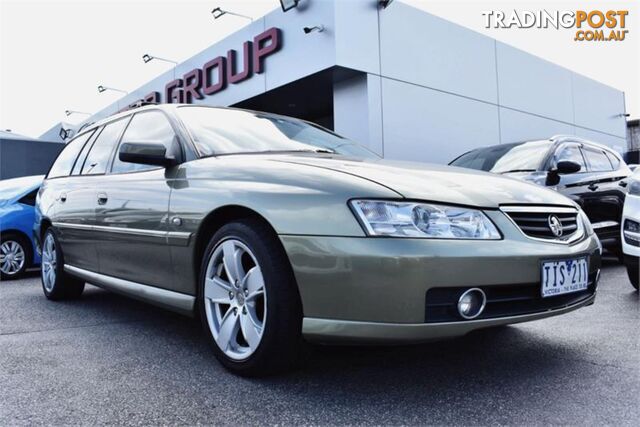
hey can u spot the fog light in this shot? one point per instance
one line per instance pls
(631, 231)
(471, 303)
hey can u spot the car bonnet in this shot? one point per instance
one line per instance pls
(437, 183)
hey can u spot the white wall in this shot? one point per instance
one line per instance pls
(446, 89)
(437, 127)
(429, 89)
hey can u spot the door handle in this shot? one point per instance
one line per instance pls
(62, 197)
(623, 184)
(592, 187)
(102, 198)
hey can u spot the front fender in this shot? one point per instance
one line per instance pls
(294, 199)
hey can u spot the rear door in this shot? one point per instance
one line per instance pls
(132, 211)
(73, 205)
(79, 209)
(605, 199)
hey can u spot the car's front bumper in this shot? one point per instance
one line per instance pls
(375, 289)
(354, 332)
(631, 212)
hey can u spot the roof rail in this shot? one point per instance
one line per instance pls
(141, 103)
(86, 125)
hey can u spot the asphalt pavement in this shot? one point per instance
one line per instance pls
(105, 359)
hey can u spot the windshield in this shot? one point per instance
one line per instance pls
(11, 188)
(517, 157)
(219, 131)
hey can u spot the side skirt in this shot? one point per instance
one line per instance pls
(175, 301)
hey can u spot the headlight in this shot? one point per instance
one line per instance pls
(634, 187)
(423, 220)
(588, 228)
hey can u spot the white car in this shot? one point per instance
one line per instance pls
(631, 229)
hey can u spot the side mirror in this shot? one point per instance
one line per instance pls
(568, 166)
(146, 153)
(564, 167)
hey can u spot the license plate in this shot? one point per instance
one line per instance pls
(564, 276)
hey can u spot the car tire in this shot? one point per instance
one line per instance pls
(16, 256)
(252, 334)
(633, 269)
(56, 284)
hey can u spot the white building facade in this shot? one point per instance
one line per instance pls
(409, 85)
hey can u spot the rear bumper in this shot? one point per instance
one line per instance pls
(354, 332)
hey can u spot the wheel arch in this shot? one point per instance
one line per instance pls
(215, 220)
(16, 231)
(44, 224)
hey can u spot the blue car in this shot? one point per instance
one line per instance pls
(17, 249)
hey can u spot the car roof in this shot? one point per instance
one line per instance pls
(555, 139)
(125, 113)
(173, 107)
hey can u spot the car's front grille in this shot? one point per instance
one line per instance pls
(538, 223)
(502, 301)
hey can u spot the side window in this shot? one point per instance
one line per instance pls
(572, 153)
(615, 161)
(598, 161)
(29, 198)
(83, 154)
(63, 164)
(150, 126)
(100, 154)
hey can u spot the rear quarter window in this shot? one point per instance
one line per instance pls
(66, 159)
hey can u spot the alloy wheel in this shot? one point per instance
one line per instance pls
(235, 299)
(49, 262)
(12, 257)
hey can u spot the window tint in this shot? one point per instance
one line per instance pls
(598, 161)
(570, 152)
(77, 167)
(100, 154)
(63, 164)
(150, 126)
(29, 198)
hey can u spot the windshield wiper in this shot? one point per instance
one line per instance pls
(519, 170)
(319, 150)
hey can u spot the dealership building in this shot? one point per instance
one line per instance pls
(408, 84)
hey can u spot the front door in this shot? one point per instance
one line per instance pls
(131, 215)
(574, 185)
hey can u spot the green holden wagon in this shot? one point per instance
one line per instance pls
(274, 230)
